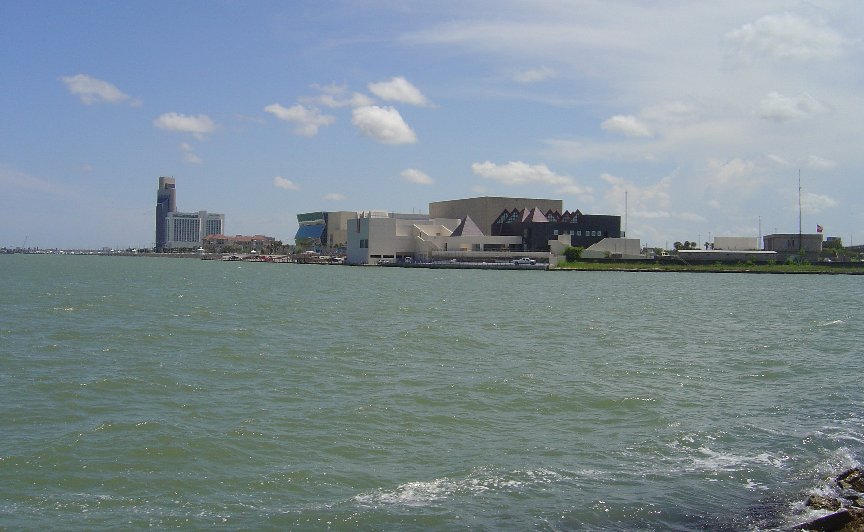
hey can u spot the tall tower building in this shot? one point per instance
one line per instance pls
(166, 202)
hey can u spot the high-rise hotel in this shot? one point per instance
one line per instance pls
(181, 230)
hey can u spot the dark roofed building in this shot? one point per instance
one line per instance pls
(538, 227)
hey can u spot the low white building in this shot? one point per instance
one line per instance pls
(615, 248)
(188, 229)
(376, 236)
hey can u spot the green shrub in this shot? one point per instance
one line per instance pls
(573, 253)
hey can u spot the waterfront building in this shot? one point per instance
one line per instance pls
(188, 229)
(323, 229)
(794, 244)
(538, 226)
(377, 236)
(219, 243)
(485, 210)
(181, 230)
(166, 202)
(451, 230)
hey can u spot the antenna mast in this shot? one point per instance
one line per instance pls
(799, 211)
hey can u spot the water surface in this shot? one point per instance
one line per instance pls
(175, 392)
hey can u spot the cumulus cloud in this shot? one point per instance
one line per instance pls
(286, 184)
(781, 108)
(820, 163)
(520, 173)
(816, 203)
(788, 36)
(92, 90)
(189, 155)
(198, 125)
(627, 125)
(534, 75)
(416, 176)
(731, 171)
(333, 196)
(336, 96)
(383, 124)
(646, 202)
(306, 120)
(398, 89)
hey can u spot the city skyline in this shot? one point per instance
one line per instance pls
(688, 121)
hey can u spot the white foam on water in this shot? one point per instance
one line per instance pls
(707, 459)
(480, 481)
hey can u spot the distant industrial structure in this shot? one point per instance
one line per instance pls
(181, 230)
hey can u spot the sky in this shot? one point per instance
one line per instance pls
(690, 120)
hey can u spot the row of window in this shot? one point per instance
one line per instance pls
(572, 232)
(186, 230)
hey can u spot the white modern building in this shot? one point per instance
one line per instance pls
(375, 236)
(188, 229)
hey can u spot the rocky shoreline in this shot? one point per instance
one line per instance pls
(845, 504)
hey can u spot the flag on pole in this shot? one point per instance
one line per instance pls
(818, 228)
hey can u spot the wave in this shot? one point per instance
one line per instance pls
(478, 481)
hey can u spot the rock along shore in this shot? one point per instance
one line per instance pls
(845, 504)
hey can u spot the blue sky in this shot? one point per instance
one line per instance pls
(703, 112)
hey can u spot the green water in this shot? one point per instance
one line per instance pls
(144, 392)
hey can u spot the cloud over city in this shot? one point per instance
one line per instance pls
(383, 124)
(307, 120)
(92, 90)
(285, 184)
(197, 125)
(398, 89)
(412, 175)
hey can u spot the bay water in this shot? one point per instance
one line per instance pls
(150, 392)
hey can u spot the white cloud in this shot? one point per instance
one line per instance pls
(287, 184)
(627, 125)
(520, 173)
(92, 90)
(576, 190)
(306, 120)
(189, 155)
(788, 36)
(644, 201)
(383, 124)
(534, 75)
(780, 108)
(198, 125)
(333, 196)
(338, 96)
(734, 171)
(416, 176)
(820, 163)
(816, 203)
(398, 89)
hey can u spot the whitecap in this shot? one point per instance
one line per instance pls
(478, 482)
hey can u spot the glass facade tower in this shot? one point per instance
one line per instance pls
(166, 202)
